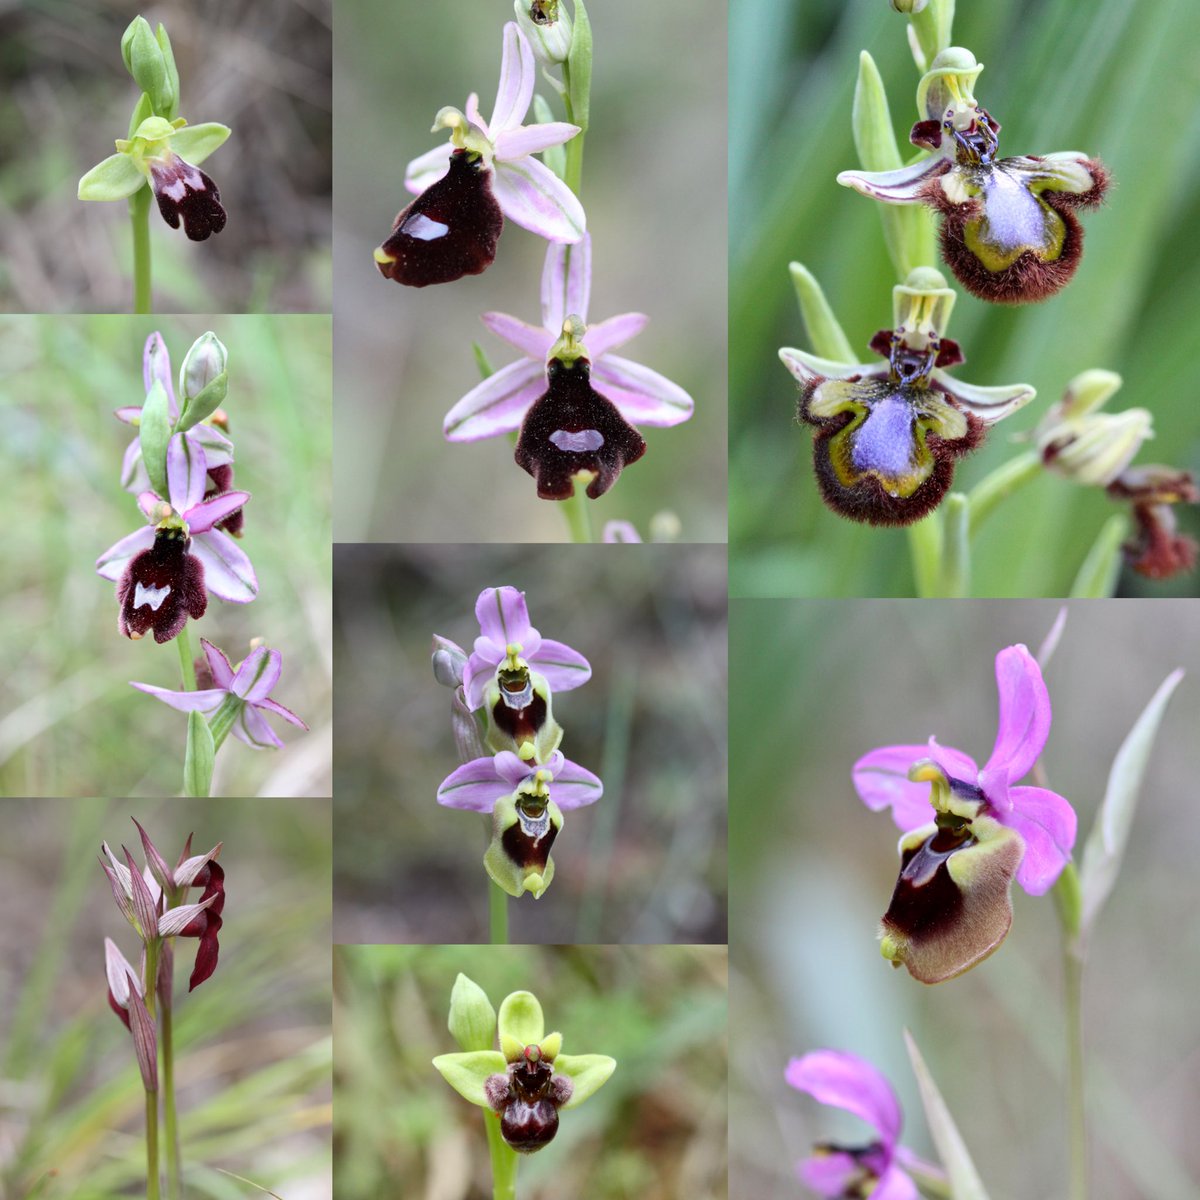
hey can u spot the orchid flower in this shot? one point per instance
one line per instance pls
(485, 173)
(245, 693)
(1008, 231)
(871, 1172)
(969, 831)
(887, 436)
(1157, 550)
(498, 405)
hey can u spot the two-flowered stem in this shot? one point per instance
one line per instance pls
(578, 515)
(504, 1160)
(1068, 895)
(139, 216)
(497, 914)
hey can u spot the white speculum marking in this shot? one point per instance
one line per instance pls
(423, 228)
(577, 443)
(150, 595)
(1012, 214)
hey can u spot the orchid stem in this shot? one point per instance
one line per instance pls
(187, 667)
(139, 215)
(1068, 895)
(988, 493)
(152, 1192)
(579, 517)
(925, 546)
(504, 1159)
(171, 1130)
(497, 914)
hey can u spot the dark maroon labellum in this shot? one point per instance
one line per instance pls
(520, 724)
(161, 588)
(573, 428)
(530, 1118)
(925, 896)
(184, 191)
(529, 841)
(208, 924)
(448, 231)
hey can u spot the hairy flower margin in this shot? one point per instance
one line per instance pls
(968, 832)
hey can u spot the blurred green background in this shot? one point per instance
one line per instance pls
(261, 67)
(1114, 79)
(644, 864)
(816, 685)
(70, 724)
(655, 1130)
(654, 188)
(253, 1051)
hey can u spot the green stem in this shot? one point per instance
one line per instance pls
(139, 215)
(987, 494)
(956, 549)
(171, 1131)
(504, 1160)
(1067, 894)
(578, 515)
(925, 546)
(152, 1146)
(223, 719)
(187, 665)
(573, 176)
(497, 914)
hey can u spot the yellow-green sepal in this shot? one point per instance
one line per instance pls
(195, 143)
(114, 178)
(588, 1072)
(467, 1072)
(521, 1019)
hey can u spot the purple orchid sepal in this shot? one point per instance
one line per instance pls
(498, 405)
(478, 785)
(245, 693)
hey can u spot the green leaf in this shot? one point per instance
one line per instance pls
(824, 332)
(205, 404)
(588, 1072)
(199, 757)
(196, 142)
(555, 157)
(1109, 836)
(113, 179)
(472, 1018)
(965, 1183)
(1097, 578)
(521, 1019)
(466, 1073)
(579, 64)
(155, 432)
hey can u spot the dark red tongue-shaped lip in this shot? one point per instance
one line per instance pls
(448, 231)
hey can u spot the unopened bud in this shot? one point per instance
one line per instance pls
(146, 62)
(204, 362)
(449, 662)
(472, 1017)
(546, 25)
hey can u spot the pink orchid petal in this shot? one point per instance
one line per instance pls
(563, 667)
(828, 1174)
(228, 573)
(1024, 713)
(566, 284)
(133, 469)
(205, 701)
(273, 706)
(881, 780)
(148, 502)
(644, 396)
(498, 404)
(514, 770)
(615, 331)
(475, 116)
(218, 449)
(621, 531)
(1047, 824)
(252, 728)
(518, 74)
(129, 413)
(575, 786)
(902, 186)
(955, 763)
(504, 620)
(847, 1081)
(532, 139)
(476, 675)
(218, 664)
(895, 1185)
(212, 512)
(111, 564)
(187, 473)
(533, 342)
(156, 364)
(530, 194)
(474, 786)
(257, 675)
(424, 171)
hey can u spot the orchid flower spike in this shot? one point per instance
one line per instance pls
(887, 436)
(967, 832)
(528, 1080)
(485, 173)
(1008, 229)
(526, 800)
(874, 1171)
(1158, 550)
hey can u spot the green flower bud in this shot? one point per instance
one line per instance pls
(472, 1018)
(146, 62)
(909, 6)
(546, 25)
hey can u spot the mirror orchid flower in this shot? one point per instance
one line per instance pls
(242, 696)
(871, 1172)
(968, 832)
(887, 436)
(486, 172)
(163, 570)
(1157, 550)
(526, 800)
(1008, 229)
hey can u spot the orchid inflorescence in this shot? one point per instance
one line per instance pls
(887, 437)
(576, 415)
(503, 700)
(180, 465)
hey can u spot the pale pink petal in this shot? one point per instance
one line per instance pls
(518, 74)
(205, 701)
(533, 342)
(514, 770)
(257, 675)
(156, 364)
(620, 531)
(615, 331)
(252, 728)
(895, 1185)
(575, 786)
(218, 664)
(218, 449)
(278, 709)
(133, 470)
(498, 404)
(828, 1174)
(567, 283)
(475, 116)
(1047, 824)
(644, 396)
(1024, 722)
(111, 564)
(212, 512)
(563, 667)
(423, 172)
(955, 763)
(849, 1082)
(187, 473)
(130, 414)
(536, 199)
(902, 186)
(148, 502)
(881, 780)
(474, 786)
(532, 139)
(504, 620)
(228, 573)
